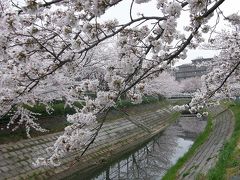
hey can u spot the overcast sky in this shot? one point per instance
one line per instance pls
(121, 12)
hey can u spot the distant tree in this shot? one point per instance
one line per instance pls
(191, 85)
(165, 84)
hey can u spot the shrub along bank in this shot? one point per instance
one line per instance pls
(56, 121)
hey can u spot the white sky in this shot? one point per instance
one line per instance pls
(121, 12)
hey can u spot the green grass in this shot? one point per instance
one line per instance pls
(58, 110)
(172, 172)
(229, 155)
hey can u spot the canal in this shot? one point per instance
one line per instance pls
(151, 160)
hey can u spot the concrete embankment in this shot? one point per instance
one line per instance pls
(114, 138)
(206, 156)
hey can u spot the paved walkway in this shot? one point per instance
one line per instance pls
(16, 158)
(206, 156)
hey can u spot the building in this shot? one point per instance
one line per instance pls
(195, 69)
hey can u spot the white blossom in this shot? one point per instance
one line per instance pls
(61, 51)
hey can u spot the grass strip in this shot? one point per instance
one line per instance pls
(172, 172)
(227, 156)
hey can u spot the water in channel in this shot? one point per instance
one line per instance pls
(151, 161)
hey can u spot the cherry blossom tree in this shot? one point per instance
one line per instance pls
(223, 81)
(191, 85)
(165, 84)
(46, 49)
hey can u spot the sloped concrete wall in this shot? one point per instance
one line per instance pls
(113, 139)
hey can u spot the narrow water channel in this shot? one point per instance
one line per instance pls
(152, 160)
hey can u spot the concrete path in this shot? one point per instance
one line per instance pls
(16, 158)
(206, 156)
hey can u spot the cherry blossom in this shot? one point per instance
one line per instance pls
(54, 50)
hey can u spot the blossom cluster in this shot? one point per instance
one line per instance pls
(222, 82)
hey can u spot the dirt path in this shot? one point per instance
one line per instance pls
(206, 156)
